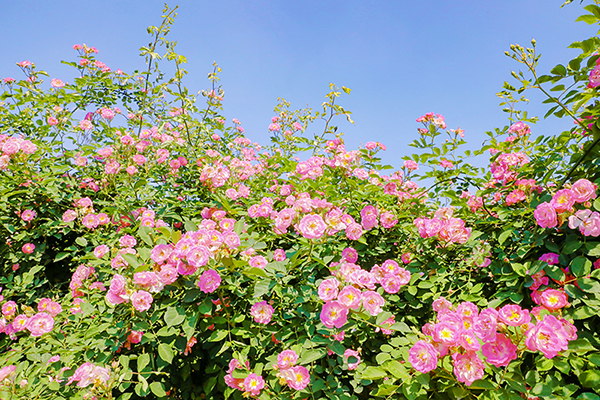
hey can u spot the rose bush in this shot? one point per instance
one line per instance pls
(151, 249)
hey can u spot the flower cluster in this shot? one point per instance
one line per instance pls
(295, 376)
(37, 324)
(561, 207)
(470, 336)
(251, 385)
(443, 227)
(358, 294)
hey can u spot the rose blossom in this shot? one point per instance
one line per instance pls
(141, 300)
(334, 314)
(209, 281)
(262, 312)
(423, 357)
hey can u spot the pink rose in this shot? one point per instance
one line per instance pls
(141, 300)
(545, 215)
(209, 281)
(261, 312)
(423, 357)
(334, 314)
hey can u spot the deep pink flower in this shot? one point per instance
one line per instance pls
(253, 384)
(499, 352)
(545, 215)
(209, 281)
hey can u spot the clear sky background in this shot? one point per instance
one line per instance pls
(400, 58)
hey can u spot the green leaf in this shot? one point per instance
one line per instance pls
(190, 226)
(174, 316)
(590, 379)
(559, 70)
(81, 241)
(581, 345)
(131, 260)
(61, 256)
(504, 235)
(587, 18)
(386, 390)
(373, 373)
(254, 272)
(581, 266)
(588, 396)
(262, 287)
(158, 389)
(142, 361)
(396, 369)
(165, 352)
(218, 335)
(541, 390)
(309, 356)
(144, 234)
(571, 246)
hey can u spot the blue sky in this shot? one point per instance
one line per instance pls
(401, 59)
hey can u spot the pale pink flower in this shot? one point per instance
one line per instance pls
(328, 289)
(349, 297)
(69, 215)
(423, 357)
(90, 221)
(57, 83)
(262, 312)
(286, 359)
(141, 300)
(101, 250)
(279, 255)
(354, 231)
(5, 372)
(297, 377)
(372, 302)
(312, 226)
(258, 262)
(514, 315)
(28, 215)
(40, 323)
(563, 200)
(28, 248)
(548, 336)
(85, 125)
(411, 165)
(467, 367)
(583, 190)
